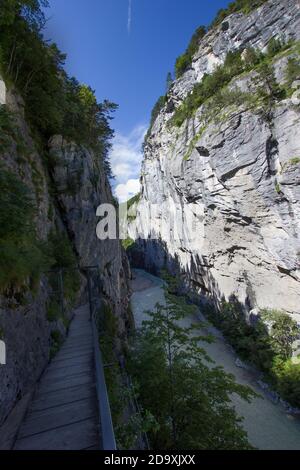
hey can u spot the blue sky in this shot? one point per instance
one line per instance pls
(125, 58)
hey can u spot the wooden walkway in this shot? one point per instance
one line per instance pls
(64, 412)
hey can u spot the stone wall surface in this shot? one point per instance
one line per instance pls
(67, 188)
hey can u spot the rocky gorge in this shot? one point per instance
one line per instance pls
(212, 255)
(230, 166)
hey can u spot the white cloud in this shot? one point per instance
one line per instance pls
(126, 160)
(129, 16)
(124, 192)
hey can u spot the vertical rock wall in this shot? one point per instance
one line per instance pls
(67, 194)
(234, 175)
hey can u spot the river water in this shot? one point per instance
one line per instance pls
(268, 425)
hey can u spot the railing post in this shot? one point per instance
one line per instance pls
(90, 293)
(61, 288)
(106, 424)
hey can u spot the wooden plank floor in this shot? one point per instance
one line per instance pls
(64, 412)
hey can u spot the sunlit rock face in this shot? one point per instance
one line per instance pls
(2, 92)
(276, 17)
(235, 177)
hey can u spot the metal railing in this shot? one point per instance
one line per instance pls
(94, 301)
(142, 439)
(108, 436)
(92, 274)
(105, 418)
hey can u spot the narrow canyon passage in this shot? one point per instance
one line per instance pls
(268, 426)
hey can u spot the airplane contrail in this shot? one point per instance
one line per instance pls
(129, 16)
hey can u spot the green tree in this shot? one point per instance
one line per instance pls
(189, 398)
(274, 46)
(268, 345)
(234, 63)
(184, 61)
(30, 9)
(21, 257)
(292, 70)
(61, 255)
(169, 82)
(246, 6)
(196, 39)
(182, 64)
(252, 57)
(160, 103)
(269, 89)
(284, 332)
(54, 103)
(287, 376)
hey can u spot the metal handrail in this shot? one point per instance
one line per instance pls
(137, 408)
(105, 418)
(106, 423)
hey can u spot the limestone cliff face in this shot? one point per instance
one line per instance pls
(67, 192)
(235, 173)
(81, 187)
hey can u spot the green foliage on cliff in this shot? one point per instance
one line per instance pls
(10, 135)
(294, 161)
(189, 399)
(31, 10)
(54, 102)
(21, 256)
(132, 206)
(234, 65)
(56, 342)
(275, 45)
(61, 256)
(7, 128)
(287, 380)
(244, 6)
(134, 200)
(54, 311)
(184, 61)
(268, 89)
(293, 70)
(269, 349)
(212, 84)
(128, 243)
(284, 332)
(155, 112)
(209, 86)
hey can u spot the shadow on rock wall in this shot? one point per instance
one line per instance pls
(194, 280)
